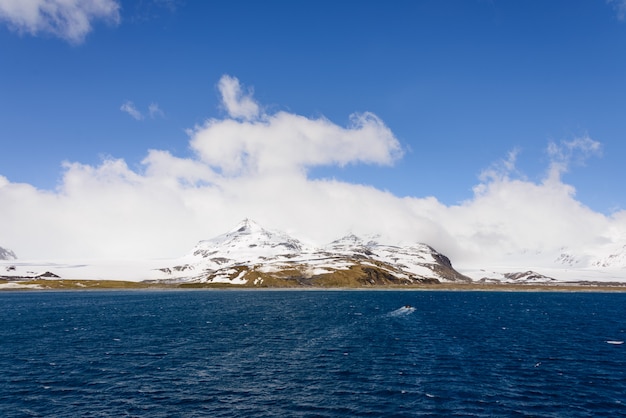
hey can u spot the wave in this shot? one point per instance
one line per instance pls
(405, 310)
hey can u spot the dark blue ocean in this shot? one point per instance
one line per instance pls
(312, 354)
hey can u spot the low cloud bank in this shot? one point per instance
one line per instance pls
(254, 164)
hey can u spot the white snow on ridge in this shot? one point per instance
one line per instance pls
(615, 259)
(6, 254)
(251, 246)
(558, 275)
(249, 240)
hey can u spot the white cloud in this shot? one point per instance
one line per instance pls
(155, 111)
(566, 153)
(286, 142)
(67, 19)
(238, 104)
(129, 107)
(257, 167)
(502, 169)
(510, 218)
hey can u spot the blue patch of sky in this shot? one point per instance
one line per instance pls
(460, 83)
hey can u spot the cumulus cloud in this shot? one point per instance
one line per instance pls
(238, 104)
(285, 142)
(256, 166)
(129, 107)
(510, 218)
(70, 20)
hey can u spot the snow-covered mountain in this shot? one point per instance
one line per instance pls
(6, 254)
(605, 264)
(614, 258)
(248, 242)
(252, 255)
(523, 277)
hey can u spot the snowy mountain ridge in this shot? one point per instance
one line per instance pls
(615, 258)
(606, 256)
(250, 254)
(248, 240)
(6, 254)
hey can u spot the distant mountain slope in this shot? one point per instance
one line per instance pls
(7, 254)
(251, 255)
(615, 258)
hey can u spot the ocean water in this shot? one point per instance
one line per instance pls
(312, 354)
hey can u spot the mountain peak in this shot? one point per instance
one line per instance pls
(7, 254)
(254, 256)
(247, 226)
(250, 238)
(350, 239)
(616, 258)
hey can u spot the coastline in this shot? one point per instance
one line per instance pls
(95, 285)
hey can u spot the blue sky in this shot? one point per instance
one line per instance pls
(467, 88)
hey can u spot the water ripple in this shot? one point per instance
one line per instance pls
(311, 354)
